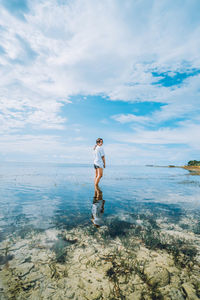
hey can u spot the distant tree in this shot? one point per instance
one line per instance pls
(194, 163)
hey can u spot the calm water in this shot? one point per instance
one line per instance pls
(42, 196)
(138, 237)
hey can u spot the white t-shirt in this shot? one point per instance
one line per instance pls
(98, 153)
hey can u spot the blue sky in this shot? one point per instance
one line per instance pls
(73, 71)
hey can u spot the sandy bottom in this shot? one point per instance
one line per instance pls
(148, 259)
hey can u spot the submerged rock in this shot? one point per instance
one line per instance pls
(90, 264)
(24, 269)
(157, 276)
(5, 258)
(175, 294)
(189, 291)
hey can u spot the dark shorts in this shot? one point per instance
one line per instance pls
(96, 167)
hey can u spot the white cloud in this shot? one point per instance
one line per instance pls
(19, 107)
(128, 118)
(186, 134)
(44, 148)
(100, 47)
(103, 47)
(182, 102)
(141, 148)
(140, 154)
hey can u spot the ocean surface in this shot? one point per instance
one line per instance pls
(37, 199)
(47, 195)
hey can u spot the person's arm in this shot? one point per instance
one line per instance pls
(104, 161)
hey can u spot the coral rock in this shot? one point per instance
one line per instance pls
(157, 276)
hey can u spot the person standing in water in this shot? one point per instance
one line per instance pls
(99, 161)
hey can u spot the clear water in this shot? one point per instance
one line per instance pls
(145, 243)
(46, 195)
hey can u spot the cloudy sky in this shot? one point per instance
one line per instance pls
(75, 70)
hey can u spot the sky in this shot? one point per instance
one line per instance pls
(76, 70)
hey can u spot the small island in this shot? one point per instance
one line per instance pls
(193, 166)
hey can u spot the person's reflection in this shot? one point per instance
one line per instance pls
(97, 207)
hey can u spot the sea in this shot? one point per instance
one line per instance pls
(54, 212)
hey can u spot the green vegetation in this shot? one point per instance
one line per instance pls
(194, 163)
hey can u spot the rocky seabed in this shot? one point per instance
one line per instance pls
(88, 263)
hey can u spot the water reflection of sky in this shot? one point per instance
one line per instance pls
(45, 196)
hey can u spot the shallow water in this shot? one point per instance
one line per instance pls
(56, 206)
(42, 196)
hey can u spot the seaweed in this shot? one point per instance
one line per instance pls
(184, 226)
(2, 236)
(5, 258)
(118, 228)
(196, 229)
(197, 288)
(184, 256)
(153, 290)
(60, 251)
(24, 231)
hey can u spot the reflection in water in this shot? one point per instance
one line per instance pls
(97, 207)
(148, 248)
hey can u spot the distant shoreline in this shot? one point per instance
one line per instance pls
(195, 169)
(189, 168)
(192, 168)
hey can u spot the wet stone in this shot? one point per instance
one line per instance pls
(175, 294)
(189, 291)
(113, 270)
(157, 276)
(70, 294)
(96, 295)
(24, 269)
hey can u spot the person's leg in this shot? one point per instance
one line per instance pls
(99, 175)
(96, 175)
